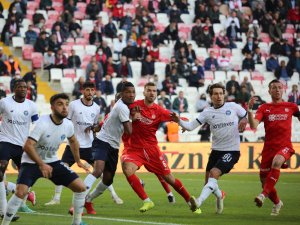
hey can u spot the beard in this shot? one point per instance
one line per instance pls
(60, 115)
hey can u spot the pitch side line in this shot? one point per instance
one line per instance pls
(107, 219)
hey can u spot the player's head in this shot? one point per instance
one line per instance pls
(128, 93)
(150, 92)
(276, 90)
(88, 90)
(217, 94)
(59, 105)
(20, 88)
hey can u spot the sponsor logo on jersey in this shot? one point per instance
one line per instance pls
(11, 111)
(63, 137)
(228, 112)
(48, 136)
(268, 110)
(153, 116)
(26, 113)
(16, 122)
(93, 115)
(146, 120)
(221, 125)
(286, 109)
(274, 117)
(83, 123)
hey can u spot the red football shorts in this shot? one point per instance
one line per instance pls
(268, 155)
(153, 160)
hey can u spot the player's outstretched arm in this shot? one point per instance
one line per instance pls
(185, 124)
(74, 145)
(29, 148)
(252, 121)
(242, 124)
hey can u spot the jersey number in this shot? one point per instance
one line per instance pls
(227, 157)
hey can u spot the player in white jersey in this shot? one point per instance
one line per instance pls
(40, 159)
(17, 115)
(226, 120)
(83, 113)
(107, 142)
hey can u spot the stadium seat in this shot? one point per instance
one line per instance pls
(265, 37)
(56, 74)
(53, 15)
(123, 32)
(80, 73)
(295, 78)
(5, 14)
(136, 69)
(81, 41)
(26, 52)
(255, 75)
(17, 42)
(115, 81)
(105, 17)
(289, 37)
(183, 82)
(218, 28)
(90, 49)
(67, 48)
(87, 25)
(186, 18)
(227, 50)
(220, 76)
(243, 74)
(5, 80)
(209, 75)
(32, 5)
(283, 58)
(29, 14)
(70, 73)
(160, 26)
(79, 15)
(81, 6)
(67, 85)
(37, 60)
(165, 53)
(159, 70)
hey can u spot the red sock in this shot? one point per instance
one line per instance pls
(271, 181)
(274, 197)
(178, 186)
(164, 184)
(136, 185)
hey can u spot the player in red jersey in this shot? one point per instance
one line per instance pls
(125, 138)
(143, 148)
(277, 118)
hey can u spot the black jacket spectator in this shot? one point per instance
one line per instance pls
(93, 9)
(95, 37)
(42, 43)
(147, 66)
(74, 61)
(110, 30)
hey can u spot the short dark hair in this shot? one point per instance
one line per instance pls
(126, 85)
(88, 84)
(57, 96)
(18, 81)
(216, 85)
(273, 82)
(117, 96)
(150, 84)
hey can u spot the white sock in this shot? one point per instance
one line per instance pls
(3, 201)
(147, 200)
(12, 207)
(78, 203)
(11, 187)
(170, 194)
(100, 188)
(218, 192)
(209, 188)
(112, 190)
(23, 204)
(58, 190)
(89, 181)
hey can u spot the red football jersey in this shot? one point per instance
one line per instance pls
(277, 120)
(144, 130)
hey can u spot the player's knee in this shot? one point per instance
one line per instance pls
(127, 170)
(215, 173)
(97, 173)
(80, 188)
(21, 192)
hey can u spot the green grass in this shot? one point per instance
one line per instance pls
(239, 206)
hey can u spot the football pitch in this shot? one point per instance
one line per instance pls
(239, 208)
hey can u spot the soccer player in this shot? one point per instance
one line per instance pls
(17, 115)
(226, 120)
(98, 191)
(143, 148)
(40, 159)
(83, 113)
(107, 142)
(277, 118)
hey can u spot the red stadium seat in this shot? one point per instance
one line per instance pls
(69, 73)
(209, 75)
(255, 75)
(81, 41)
(37, 60)
(26, 52)
(81, 6)
(32, 5)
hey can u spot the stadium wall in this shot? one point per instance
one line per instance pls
(192, 157)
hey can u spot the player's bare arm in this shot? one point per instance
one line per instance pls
(29, 148)
(74, 145)
(252, 121)
(242, 124)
